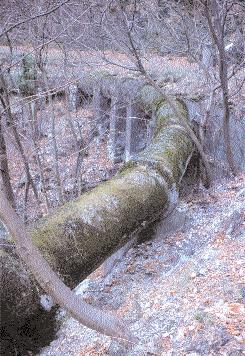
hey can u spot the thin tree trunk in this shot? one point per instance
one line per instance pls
(223, 74)
(70, 121)
(55, 148)
(79, 179)
(128, 132)
(27, 186)
(151, 124)
(6, 105)
(40, 120)
(72, 94)
(216, 22)
(96, 112)
(112, 132)
(4, 169)
(54, 142)
(79, 148)
(71, 103)
(34, 134)
(43, 185)
(34, 120)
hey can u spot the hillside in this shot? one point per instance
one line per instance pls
(182, 291)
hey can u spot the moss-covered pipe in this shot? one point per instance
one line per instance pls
(81, 234)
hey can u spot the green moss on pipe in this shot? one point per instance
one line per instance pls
(77, 237)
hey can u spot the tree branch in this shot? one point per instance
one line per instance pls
(33, 18)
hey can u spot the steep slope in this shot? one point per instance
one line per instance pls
(183, 292)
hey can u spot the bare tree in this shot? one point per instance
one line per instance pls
(216, 13)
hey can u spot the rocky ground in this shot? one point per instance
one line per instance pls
(182, 292)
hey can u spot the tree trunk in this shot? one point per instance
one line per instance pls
(53, 138)
(150, 127)
(55, 152)
(112, 133)
(97, 113)
(223, 74)
(216, 23)
(128, 131)
(6, 105)
(4, 168)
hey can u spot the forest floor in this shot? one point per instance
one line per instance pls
(182, 291)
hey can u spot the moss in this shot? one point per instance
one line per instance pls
(158, 104)
(149, 97)
(79, 236)
(128, 166)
